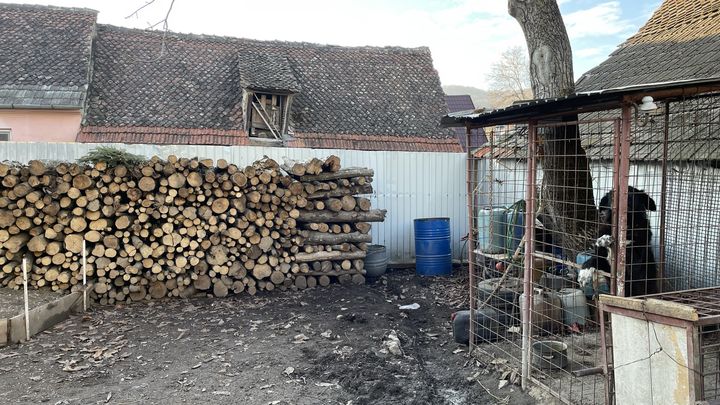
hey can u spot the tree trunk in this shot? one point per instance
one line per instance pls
(567, 194)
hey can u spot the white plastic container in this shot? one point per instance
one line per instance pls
(574, 305)
(546, 312)
(492, 225)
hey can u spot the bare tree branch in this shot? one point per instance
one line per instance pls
(509, 77)
(164, 22)
(135, 13)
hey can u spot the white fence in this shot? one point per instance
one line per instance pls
(408, 185)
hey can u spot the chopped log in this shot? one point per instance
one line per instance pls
(355, 216)
(220, 289)
(334, 239)
(340, 174)
(37, 244)
(363, 203)
(332, 255)
(363, 227)
(331, 164)
(348, 203)
(146, 184)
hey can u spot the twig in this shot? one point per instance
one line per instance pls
(135, 13)
(500, 400)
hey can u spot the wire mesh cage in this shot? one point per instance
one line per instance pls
(619, 201)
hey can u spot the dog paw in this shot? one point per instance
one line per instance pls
(604, 241)
(585, 276)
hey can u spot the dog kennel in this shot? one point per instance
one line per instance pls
(612, 192)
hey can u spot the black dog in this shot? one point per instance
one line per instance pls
(640, 266)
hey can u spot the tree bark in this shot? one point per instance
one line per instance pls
(567, 193)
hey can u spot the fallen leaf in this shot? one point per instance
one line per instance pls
(326, 384)
(289, 371)
(502, 384)
(456, 351)
(226, 393)
(327, 334)
(196, 366)
(266, 386)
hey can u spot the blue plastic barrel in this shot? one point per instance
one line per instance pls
(433, 255)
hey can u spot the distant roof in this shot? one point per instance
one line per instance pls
(681, 41)
(45, 57)
(457, 103)
(342, 92)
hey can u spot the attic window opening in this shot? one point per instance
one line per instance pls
(267, 115)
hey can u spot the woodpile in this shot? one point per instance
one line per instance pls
(180, 226)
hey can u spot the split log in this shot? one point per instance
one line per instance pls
(355, 216)
(333, 239)
(332, 255)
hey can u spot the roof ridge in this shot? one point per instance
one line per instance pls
(250, 41)
(42, 7)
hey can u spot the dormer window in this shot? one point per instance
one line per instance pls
(269, 86)
(267, 115)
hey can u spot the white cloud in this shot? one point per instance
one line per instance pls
(464, 36)
(602, 19)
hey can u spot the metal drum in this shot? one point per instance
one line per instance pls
(432, 247)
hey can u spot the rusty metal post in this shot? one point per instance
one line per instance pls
(663, 201)
(617, 127)
(529, 250)
(620, 198)
(470, 179)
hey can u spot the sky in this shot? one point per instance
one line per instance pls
(464, 36)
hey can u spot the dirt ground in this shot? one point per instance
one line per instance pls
(317, 346)
(12, 302)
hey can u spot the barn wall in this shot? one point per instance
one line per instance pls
(408, 185)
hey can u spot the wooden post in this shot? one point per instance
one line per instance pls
(84, 268)
(27, 306)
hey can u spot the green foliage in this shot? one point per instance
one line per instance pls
(112, 156)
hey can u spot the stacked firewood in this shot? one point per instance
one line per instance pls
(177, 227)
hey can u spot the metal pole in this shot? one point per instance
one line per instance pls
(471, 214)
(84, 267)
(27, 306)
(529, 250)
(663, 201)
(621, 198)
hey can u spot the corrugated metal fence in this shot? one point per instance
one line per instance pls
(408, 185)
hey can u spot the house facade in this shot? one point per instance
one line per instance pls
(140, 86)
(45, 69)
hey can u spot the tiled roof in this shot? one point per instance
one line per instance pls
(375, 142)
(197, 83)
(45, 57)
(461, 102)
(693, 135)
(264, 71)
(160, 135)
(681, 41)
(456, 103)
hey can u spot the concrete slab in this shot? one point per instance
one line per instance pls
(44, 316)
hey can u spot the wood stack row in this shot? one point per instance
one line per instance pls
(335, 218)
(177, 227)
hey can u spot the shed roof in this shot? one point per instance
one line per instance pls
(45, 57)
(680, 41)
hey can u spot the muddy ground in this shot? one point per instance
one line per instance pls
(317, 346)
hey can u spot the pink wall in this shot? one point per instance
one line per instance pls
(41, 125)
